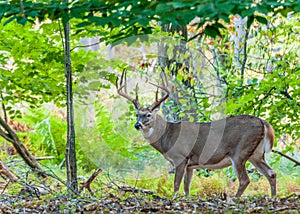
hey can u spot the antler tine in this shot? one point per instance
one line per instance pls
(156, 95)
(164, 88)
(124, 74)
(124, 94)
(136, 92)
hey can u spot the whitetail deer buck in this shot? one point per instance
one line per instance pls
(213, 145)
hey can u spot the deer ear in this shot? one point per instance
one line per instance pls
(155, 111)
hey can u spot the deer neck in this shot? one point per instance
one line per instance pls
(154, 133)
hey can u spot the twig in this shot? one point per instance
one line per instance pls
(53, 175)
(245, 56)
(259, 72)
(4, 135)
(268, 93)
(22, 8)
(208, 60)
(62, 163)
(36, 158)
(136, 190)
(85, 46)
(87, 183)
(297, 163)
(287, 95)
(6, 185)
(45, 158)
(281, 209)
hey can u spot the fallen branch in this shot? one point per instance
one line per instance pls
(45, 158)
(297, 163)
(36, 158)
(7, 173)
(8, 134)
(136, 190)
(87, 183)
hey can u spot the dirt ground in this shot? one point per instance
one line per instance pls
(147, 203)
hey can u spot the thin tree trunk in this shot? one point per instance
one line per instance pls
(4, 109)
(70, 146)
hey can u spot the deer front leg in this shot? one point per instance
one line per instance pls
(187, 180)
(242, 175)
(179, 172)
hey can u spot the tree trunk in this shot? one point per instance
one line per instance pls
(70, 146)
(8, 134)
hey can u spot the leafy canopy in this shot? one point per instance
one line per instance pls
(137, 17)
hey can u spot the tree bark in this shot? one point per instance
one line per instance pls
(72, 181)
(4, 109)
(8, 134)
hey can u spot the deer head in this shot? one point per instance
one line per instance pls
(145, 116)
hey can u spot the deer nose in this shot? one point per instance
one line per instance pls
(137, 125)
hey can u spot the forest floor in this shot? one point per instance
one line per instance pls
(146, 203)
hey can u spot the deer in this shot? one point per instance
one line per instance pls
(218, 144)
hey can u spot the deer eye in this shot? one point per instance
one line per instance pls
(148, 115)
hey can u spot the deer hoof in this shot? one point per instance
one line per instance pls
(175, 196)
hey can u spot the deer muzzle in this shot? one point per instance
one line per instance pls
(137, 125)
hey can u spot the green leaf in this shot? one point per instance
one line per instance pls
(225, 8)
(248, 12)
(261, 19)
(22, 21)
(297, 8)
(250, 21)
(163, 8)
(10, 20)
(65, 18)
(100, 21)
(212, 31)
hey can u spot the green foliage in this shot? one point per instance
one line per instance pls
(106, 143)
(32, 66)
(49, 132)
(126, 18)
(271, 89)
(162, 184)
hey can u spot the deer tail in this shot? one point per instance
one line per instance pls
(268, 137)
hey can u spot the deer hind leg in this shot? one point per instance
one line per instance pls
(242, 175)
(266, 170)
(187, 180)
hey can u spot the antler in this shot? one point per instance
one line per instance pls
(124, 93)
(164, 88)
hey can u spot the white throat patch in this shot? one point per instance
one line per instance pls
(148, 133)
